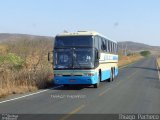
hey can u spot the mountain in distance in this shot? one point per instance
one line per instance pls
(129, 45)
(14, 37)
(136, 47)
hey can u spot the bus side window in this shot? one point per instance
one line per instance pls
(109, 46)
(116, 49)
(107, 50)
(113, 47)
(96, 42)
(100, 43)
(103, 44)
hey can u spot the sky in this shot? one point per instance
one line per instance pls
(119, 20)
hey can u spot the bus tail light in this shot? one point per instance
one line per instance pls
(91, 74)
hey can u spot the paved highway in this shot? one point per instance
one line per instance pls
(135, 90)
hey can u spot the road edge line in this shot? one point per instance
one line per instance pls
(35, 93)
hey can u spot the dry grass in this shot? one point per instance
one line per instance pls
(15, 82)
(3, 48)
(125, 60)
(24, 66)
(158, 61)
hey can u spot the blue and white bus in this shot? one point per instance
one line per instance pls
(84, 57)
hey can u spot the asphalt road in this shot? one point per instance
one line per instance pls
(135, 90)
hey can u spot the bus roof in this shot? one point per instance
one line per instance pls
(78, 33)
(82, 33)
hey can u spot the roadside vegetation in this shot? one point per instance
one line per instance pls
(24, 66)
(158, 61)
(145, 53)
(128, 59)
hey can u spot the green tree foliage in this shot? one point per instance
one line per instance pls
(145, 53)
(14, 60)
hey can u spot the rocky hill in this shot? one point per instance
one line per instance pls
(13, 37)
(136, 47)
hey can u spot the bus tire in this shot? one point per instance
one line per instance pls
(111, 76)
(96, 85)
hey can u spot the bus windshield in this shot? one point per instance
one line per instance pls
(79, 58)
(83, 58)
(72, 41)
(63, 58)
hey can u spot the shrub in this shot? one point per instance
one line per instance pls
(12, 59)
(145, 53)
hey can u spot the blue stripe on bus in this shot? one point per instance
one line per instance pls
(115, 57)
(75, 80)
(105, 75)
(83, 79)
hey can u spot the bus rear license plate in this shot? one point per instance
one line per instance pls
(72, 80)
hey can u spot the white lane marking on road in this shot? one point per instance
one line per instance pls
(29, 95)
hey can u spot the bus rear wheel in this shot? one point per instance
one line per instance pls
(96, 85)
(111, 75)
